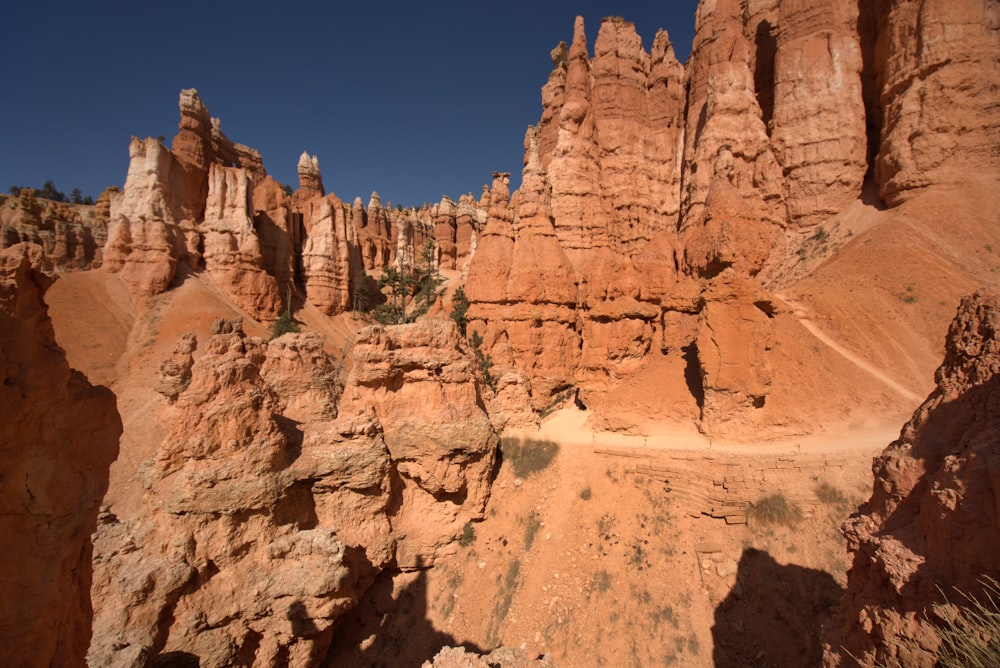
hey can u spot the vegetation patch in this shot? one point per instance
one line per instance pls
(530, 530)
(830, 495)
(585, 493)
(527, 456)
(283, 325)
(776, 509)
(468, 536)
(971, 639)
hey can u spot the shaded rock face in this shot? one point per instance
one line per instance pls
(270, 508)
(58, 437)
(932, 524)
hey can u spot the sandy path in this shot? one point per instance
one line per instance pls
(568, 428)
(800, 314)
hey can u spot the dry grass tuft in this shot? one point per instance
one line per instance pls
(528, 456)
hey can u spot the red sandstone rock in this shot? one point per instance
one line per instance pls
(310, 180)
(419, 382)
(232, 249)
(937, 64)
(327, 256)
(269, 509)
(932, 524)
(58, 436)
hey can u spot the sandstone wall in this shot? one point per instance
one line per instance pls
(58, 437)
(283, 486)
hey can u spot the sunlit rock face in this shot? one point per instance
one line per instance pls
(285, 483)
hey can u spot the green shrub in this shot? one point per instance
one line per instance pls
(459, 309)
(529, 455)
(283, 325)
(468, 535)
(483, 361)
(830, 495)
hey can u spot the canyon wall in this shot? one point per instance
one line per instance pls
(283, 486)
(662, 205)
(58, 437)
(931, 529)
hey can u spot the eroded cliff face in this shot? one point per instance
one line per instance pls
(283, 487)
(932, 525)
(58, 437)
(648, 184)
(72, 236)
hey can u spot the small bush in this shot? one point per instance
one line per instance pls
(585, 494)
(468, 535)
(776, 509)
(283, 325)
(483, 361)
(459, 309)
(830, 495)
(602, 581)
(529, 455)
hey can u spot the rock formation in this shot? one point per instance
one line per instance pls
(931, 528)
(58, 436)
(270, 508)
(419, 382)
(232, 251)
(310, 180)
(936, 64)
(71, 235)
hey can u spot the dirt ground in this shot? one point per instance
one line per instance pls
(606, 558)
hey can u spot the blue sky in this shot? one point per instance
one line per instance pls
(415, 100)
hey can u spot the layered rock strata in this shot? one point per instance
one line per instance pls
(58, 437)
(72, 236)
(271, 506)
(931, 528)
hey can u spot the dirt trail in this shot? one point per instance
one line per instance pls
(801, 314)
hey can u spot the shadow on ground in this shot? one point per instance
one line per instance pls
(774, 614)
(388, 628)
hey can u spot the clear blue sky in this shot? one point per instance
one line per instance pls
(412, 99)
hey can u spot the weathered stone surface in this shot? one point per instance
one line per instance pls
(817, 124)
(330, 255)
(71, 235)
(175, 372)
(937, 64)
(502, 657)
(733, 345)
(310, 180)
(932, 525)
(268, 511)
(419, 382)
(232, 249)
(58, 437)
(153, 218)
(234, 544)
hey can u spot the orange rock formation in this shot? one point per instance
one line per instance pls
(58, 436)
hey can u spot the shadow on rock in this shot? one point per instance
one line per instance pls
(389, 627)
(773, 615)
